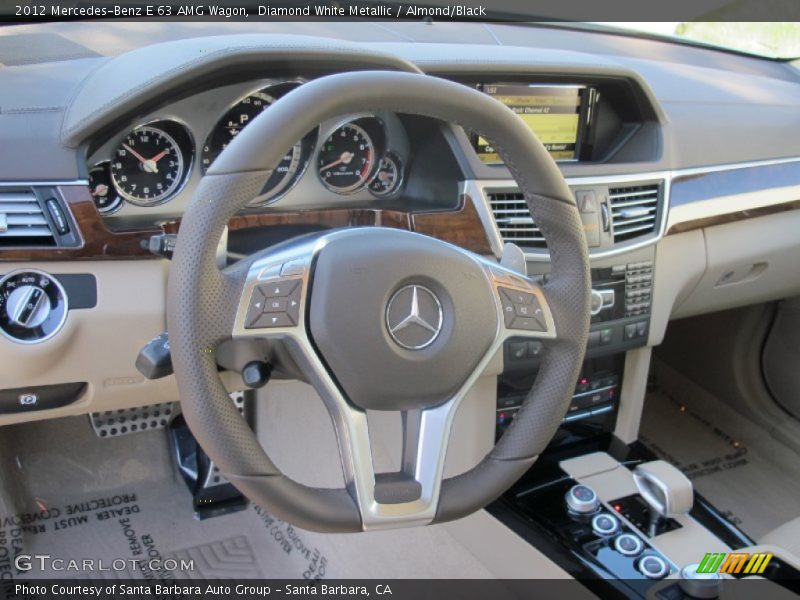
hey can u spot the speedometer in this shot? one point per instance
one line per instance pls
(147, 166)
(232, 123)
(346, 159)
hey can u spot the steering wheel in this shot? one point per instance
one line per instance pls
(377, 318)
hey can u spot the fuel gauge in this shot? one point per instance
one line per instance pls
(388, 178)
(103, 192)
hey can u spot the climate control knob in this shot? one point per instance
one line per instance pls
(33, 306)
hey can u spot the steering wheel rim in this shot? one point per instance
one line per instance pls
(207, 307)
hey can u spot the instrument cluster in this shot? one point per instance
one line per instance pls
(150, 164)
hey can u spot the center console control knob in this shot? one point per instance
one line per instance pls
(605, 524)
(700, 585)
(628, 544)
(582, 499)
(653, 566)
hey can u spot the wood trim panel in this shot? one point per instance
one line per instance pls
(732, 217)
(329, 218)
(461, 227)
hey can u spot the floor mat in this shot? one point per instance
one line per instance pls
(69, 494)
(745, 473)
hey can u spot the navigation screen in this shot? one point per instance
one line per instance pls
(552, 112)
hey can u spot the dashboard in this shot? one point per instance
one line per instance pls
(688, 184)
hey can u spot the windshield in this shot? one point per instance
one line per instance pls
(773, 40)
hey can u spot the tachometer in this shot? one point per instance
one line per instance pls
(147, 167)
(236, 119)
(346, 159)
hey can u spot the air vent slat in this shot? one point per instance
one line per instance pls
(26, 197)
(515, 221)
(23, 220)
(641, 202)
(27, 232)
(12, 208)
(627, 230)
(511, 211)
(634, 210)
(631, 221)
(521, 240)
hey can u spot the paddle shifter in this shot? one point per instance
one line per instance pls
(666, 490)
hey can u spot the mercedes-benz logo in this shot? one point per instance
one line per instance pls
(414, 317)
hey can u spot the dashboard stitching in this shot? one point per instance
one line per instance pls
(32, 109)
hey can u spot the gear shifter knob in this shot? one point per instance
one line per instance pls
(668, 491)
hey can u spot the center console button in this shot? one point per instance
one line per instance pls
(582, 499)
(628, 544)
(653, 566)
(700, 585)
(605, 524)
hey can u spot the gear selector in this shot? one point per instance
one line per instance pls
(667, 491)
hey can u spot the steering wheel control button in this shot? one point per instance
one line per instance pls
(521, 310)
(605, 524)
(275, 304)
(414, 317)
(293, 305)
(653, 566)
(279, 288)
(296, 267)
(273, 320)
(33, 306)
(628, 544)
(582, 499)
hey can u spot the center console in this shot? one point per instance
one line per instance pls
(630, 526)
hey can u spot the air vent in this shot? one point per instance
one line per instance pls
(22, 221)
(514, 219)
(634, 210)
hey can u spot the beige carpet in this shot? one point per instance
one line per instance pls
(69, 494)
(744, 472)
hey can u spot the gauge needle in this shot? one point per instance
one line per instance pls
(345, 158)
(160, 155)
(141, 158)
(147, 165)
